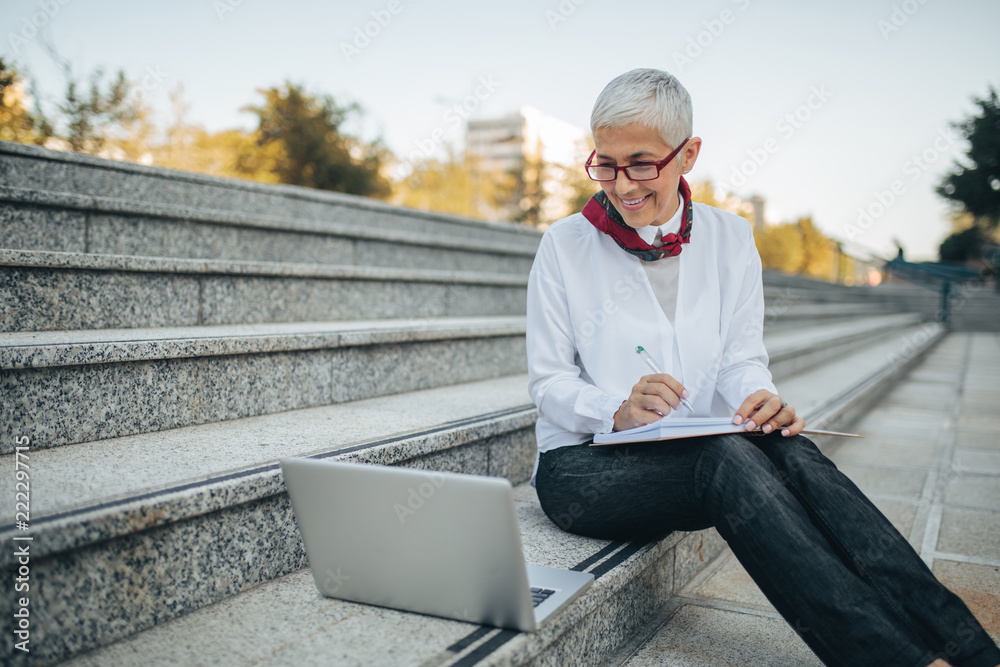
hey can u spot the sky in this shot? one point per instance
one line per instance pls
(838, 110)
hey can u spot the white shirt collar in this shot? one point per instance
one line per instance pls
(671, 226)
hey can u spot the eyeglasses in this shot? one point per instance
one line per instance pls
(640, 171)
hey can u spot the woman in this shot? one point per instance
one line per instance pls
(642, 265)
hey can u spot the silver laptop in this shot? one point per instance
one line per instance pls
(437, 543)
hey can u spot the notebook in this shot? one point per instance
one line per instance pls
(670, 428)
(438, 543)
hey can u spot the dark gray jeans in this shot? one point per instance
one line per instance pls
(826, 558)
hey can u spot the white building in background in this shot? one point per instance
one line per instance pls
(516, 142)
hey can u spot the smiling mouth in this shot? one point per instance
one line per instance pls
(632, 203)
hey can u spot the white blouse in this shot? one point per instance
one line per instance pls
(590, 304)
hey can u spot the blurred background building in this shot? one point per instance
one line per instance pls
(545, 157)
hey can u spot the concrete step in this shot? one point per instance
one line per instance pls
(95, 186)
(129, 532)
(153, 499)
(79, 386)
(197, 375)
(791, 351)
(782, 316)
(836, 394)
(61, 222)
(44, 291)
(632, 580)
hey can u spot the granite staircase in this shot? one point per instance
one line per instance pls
(165, 337)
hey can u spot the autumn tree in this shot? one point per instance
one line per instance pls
(703, 192)
(315, 150)
(799, 248)
(817, 251)
(530, 191)
(228, 153)
(455, 184)
(17, 122)
(780, 248)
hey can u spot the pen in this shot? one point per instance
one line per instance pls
(656, 369)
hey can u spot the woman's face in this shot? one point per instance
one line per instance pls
(642, 203)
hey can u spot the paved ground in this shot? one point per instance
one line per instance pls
(930, 461)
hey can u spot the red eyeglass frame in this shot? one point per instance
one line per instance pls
(659, 166)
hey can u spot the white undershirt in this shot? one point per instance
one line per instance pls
(662, 275)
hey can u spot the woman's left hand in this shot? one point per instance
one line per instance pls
(768, 411)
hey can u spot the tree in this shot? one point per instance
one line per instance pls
(780, 248)
(530, 189)
(457, 185)
(704, 193)
(798, 248)
(963, 246)
(316, 153)
(975, 184)
(229, 153)
(818, 259)
(109, 120)
(582, 188)
(17, 123)
(94, 117)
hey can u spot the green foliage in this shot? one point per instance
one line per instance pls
(976, 184)
(963, 246)
(92, 119)
(93, 113)
(299, 139)
(315, 152)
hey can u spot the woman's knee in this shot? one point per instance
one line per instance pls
(731, 466)
(730, 453)
(794, 455)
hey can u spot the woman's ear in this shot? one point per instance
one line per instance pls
(689, 154)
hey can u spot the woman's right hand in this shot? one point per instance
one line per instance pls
(652, 398)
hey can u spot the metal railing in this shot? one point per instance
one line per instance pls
(943, 276)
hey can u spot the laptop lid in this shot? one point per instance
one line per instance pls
(433, 542)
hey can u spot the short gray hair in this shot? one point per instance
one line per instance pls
(649, 97)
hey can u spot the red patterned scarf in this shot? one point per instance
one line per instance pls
(602, 214)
